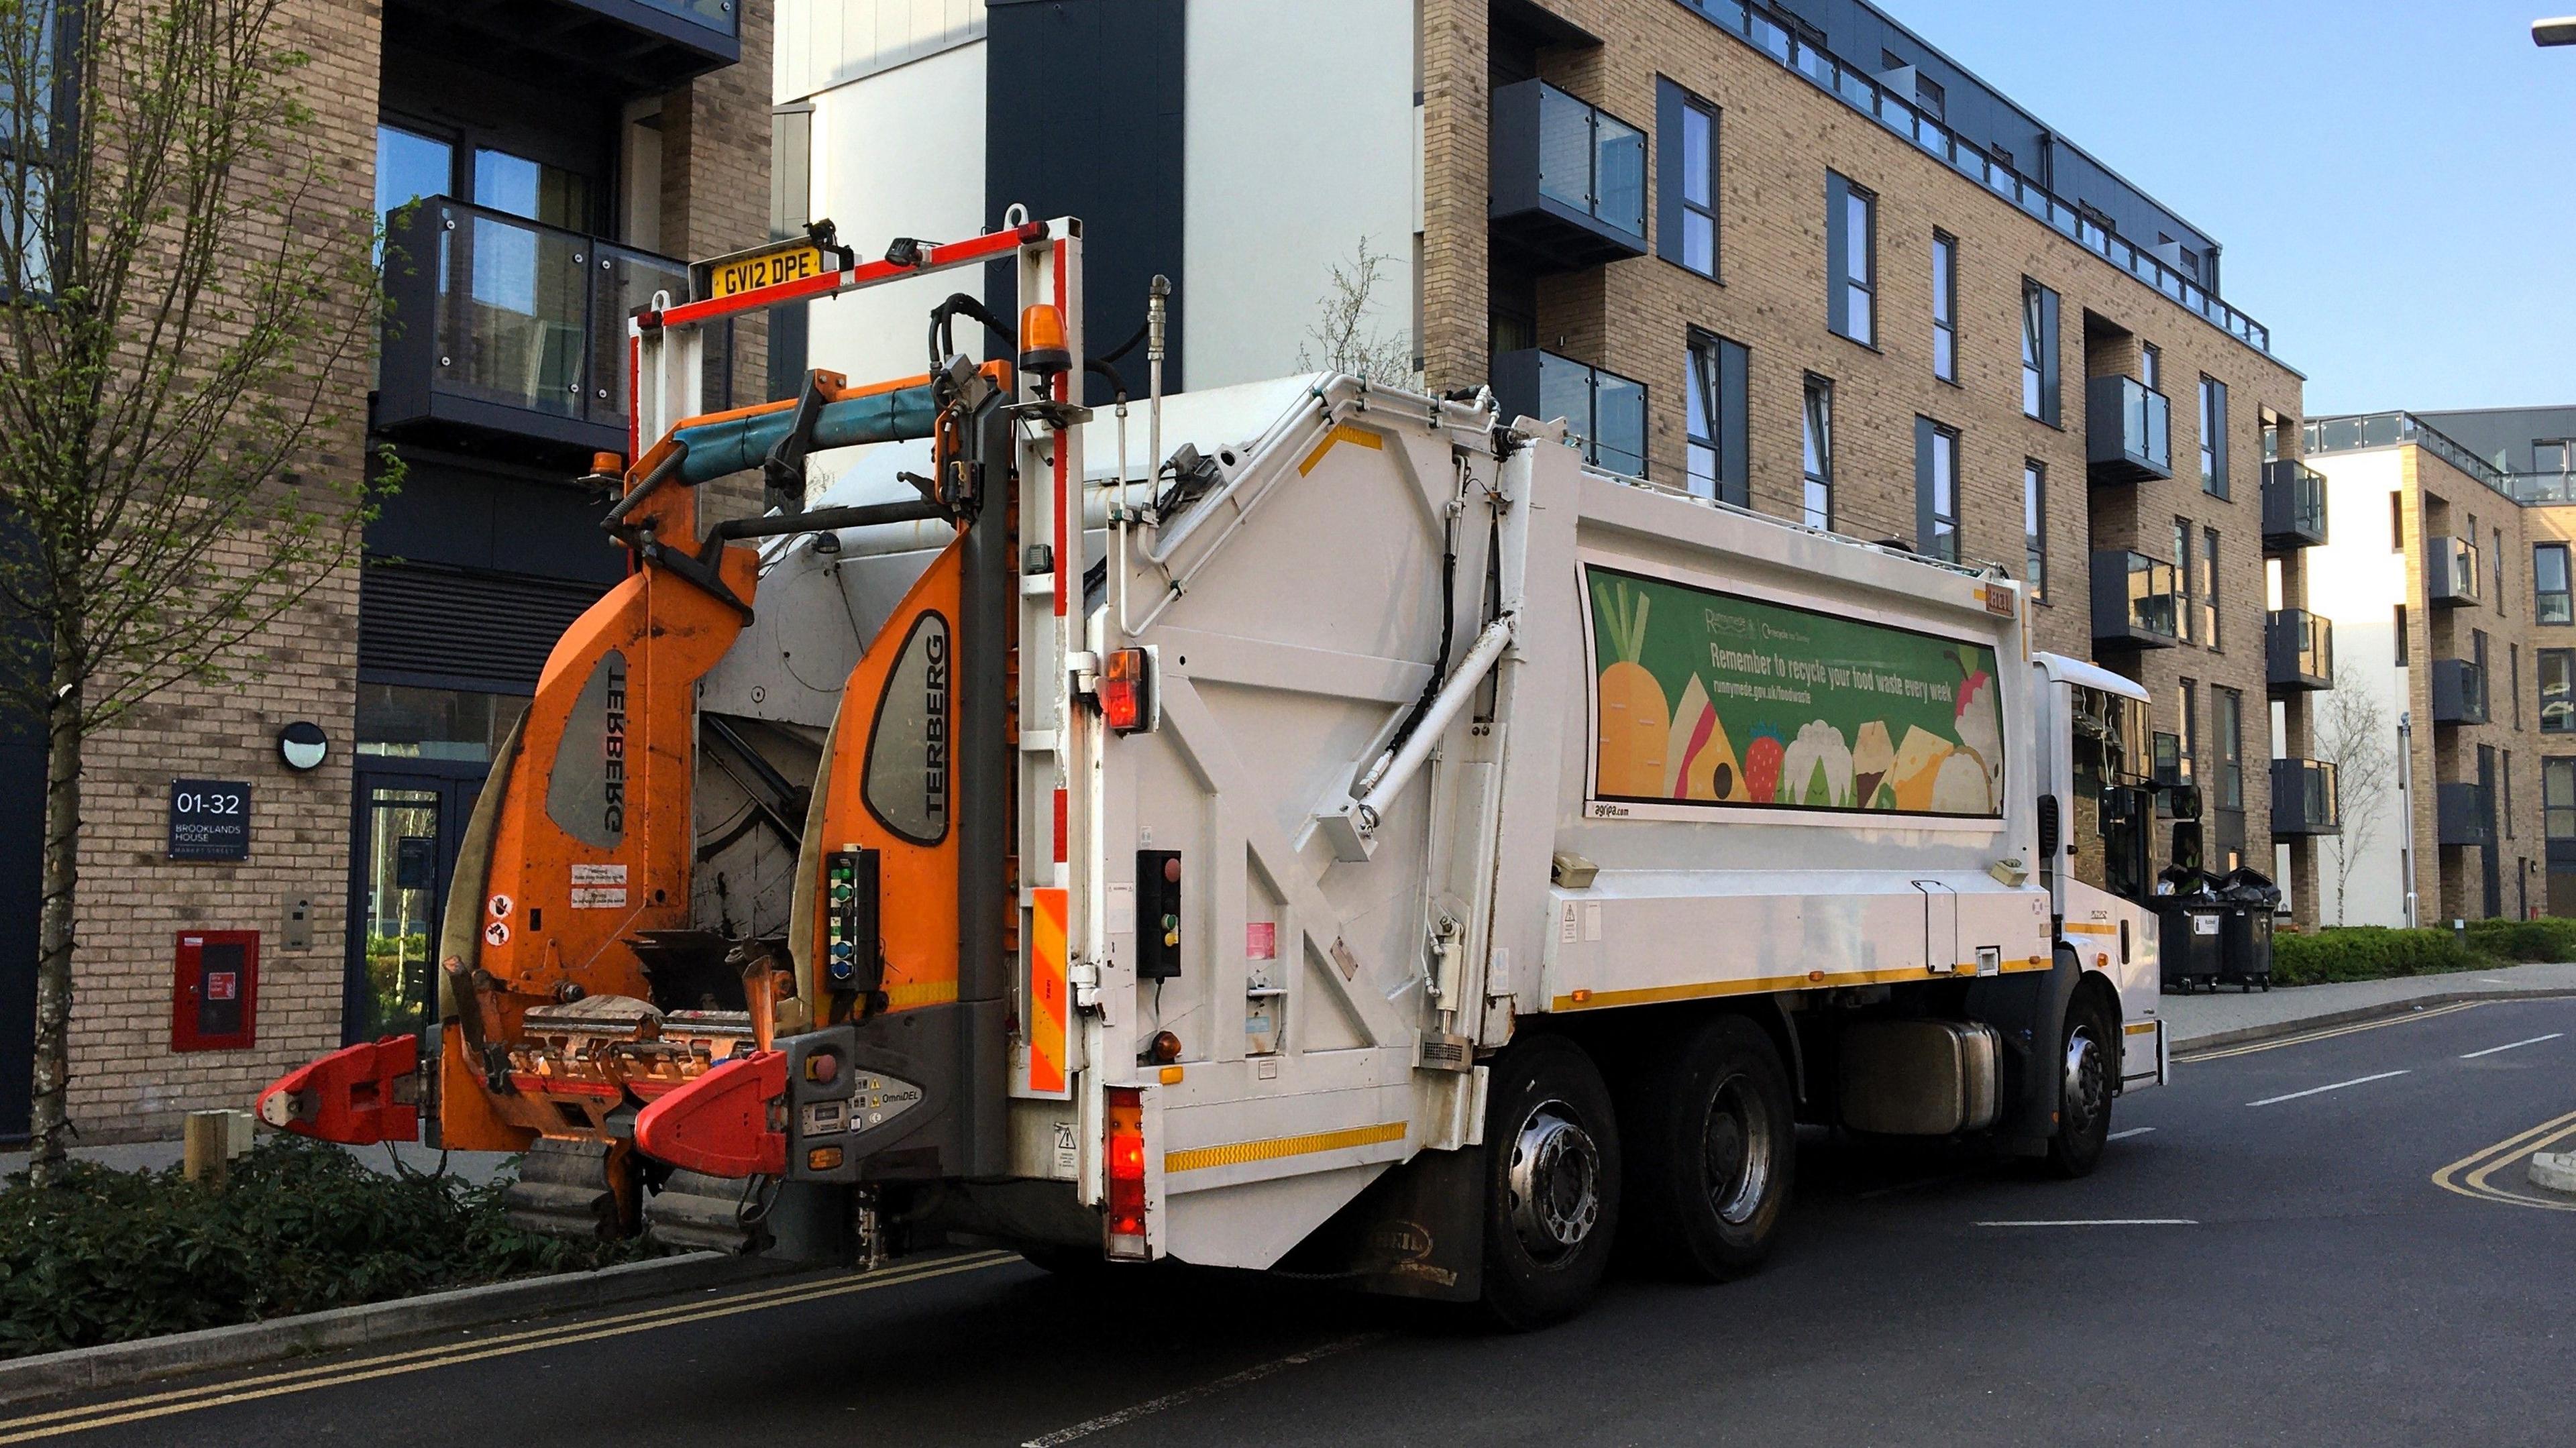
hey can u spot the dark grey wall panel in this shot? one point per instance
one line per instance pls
(1083, 118)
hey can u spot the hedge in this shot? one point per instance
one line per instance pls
(108, 1256)
(2373, 952)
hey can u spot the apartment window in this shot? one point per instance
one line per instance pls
(2558, 798)
(2272, 429)
(2184, 577)
(2038, 352)
(2399, 648)
(2478, 656)
(2209, 587)
(1686, 183)
(2229, 726)
(2513, 680)
(2506, 780)
(1819, 450)
(1945, 306)
(2151, 366)
(1851, 259)
(2396, 522)
(2557, 670)
(2213, 437)
(2499, 570)
(2190, 729)
(1716, 419)
(2549, 584)
(1930, 97)
(2034, 526)
(1936, 490)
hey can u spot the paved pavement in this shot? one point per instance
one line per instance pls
(2199, 1018)
(2317, 1240)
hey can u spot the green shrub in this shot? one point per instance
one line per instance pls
(2370, 952)
(2546, 939)
(111, 1255)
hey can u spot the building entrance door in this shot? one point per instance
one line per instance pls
(410, 819)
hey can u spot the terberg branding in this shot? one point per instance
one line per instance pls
(907, 780)
(586, 791)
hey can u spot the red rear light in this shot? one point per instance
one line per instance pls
(1126, 691)
(1125, 1234)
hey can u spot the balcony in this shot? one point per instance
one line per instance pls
(2459, 692)
(2463, 815)
(2450, 572)
(1605, 412)
(2300, 649)
(2304, 799)
(503, 330)
(2136, 601)
(1568, 181)
(2294, 506)
(2128, 431)
(639, 46)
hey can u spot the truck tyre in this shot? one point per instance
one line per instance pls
(2088, 1061)
(1712, 1146)
(1552, 1182)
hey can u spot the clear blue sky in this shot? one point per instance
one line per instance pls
(2393, 181)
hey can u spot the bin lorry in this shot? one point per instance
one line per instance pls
(1357, 837)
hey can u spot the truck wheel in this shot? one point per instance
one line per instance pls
(1713, 1144)
(2090, 1058)
(1551, 1183)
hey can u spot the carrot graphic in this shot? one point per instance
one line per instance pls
(1635, 721)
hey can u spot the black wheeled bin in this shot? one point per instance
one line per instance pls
(2245, 930)
(2190, 921)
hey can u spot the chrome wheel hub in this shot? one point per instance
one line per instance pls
(2086, 1093)
(1554, 1182)
(1737, 1145)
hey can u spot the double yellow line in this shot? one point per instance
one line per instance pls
(2471, 1175)
(2223, 1052)
(301, 1380)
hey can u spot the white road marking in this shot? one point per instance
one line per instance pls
(2491, 1050)
(2103, 1222)
(1152, 1406)
(2125, 1135)
(2338, 1086)
(2493, 980)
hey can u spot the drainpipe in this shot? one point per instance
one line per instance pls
(2406, 797)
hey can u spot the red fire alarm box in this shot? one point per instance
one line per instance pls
(215, 999)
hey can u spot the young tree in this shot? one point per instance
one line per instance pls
(184, 312)
(1344, 336)
(2353, 736)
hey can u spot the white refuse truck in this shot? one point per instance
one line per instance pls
(1352, 836)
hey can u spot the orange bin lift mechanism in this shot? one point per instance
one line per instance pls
(593, 847)
(888, 784)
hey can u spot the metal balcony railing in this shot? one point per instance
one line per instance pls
(500, 326)
(2294, 506)
(2463, 814)
(1568, 179)
(2300, 649)
(2459, 692)
(2450, 571)
(2305, 800)
(1605, 412)
(2137, 601)
(2128, 431)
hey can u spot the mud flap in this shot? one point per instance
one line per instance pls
(2029, 1011)
(1417, 1231)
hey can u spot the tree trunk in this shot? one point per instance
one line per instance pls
(51, 1124)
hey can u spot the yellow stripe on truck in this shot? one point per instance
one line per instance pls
(1237, 1153)
(1593, 1000)
(1344, 433)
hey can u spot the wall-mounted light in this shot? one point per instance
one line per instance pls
(303, 745)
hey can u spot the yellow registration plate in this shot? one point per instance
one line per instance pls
(732, 276)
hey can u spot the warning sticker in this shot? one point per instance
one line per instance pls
(1260, 940)
(599, 874)
(500, 907)
(222, 985)
(496, 933)
(599, 898)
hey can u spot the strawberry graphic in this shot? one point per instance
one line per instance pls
(1762, 764)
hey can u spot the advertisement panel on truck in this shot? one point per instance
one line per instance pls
(1705, 701)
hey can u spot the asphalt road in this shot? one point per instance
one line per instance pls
(2320, 1241)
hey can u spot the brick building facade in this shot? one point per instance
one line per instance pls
(571, 154)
